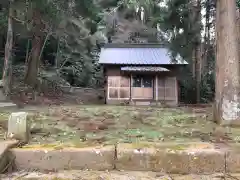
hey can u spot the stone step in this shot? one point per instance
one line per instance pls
(174, 158)
(185, 158)
(7, 106)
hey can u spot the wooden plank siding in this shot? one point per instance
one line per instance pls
(167, 89)
(142, 93)
(119, 88)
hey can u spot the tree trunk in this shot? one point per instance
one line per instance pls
(194, 63)
(198, 72)
(227, 110)
(238, 28)
(7, 69)
(34, 60)
(197, 48)
(207, 37)
(33, 63)
(218, 65)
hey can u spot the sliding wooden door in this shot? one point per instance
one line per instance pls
(142, 87)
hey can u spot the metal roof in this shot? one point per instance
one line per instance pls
(146, 68)
(137, 54)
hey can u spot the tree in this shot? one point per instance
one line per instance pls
(7, 69)
(180, 30)
(44, 19)
(42, 16)
(197, 47)
(227, 64)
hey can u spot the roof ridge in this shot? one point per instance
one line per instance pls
(134, 45)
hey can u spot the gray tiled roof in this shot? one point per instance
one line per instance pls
(137, 54)
(144, 68)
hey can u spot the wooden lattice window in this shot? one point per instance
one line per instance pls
(118, 87)
(167, 88)
(142, 81)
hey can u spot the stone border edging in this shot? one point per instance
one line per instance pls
(96, 158)
(192, 158)
(170, 160)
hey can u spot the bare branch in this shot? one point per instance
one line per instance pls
(18, 20)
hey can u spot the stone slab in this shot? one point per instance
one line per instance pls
(184, 160)
(18, 127)
(142, 103)
(206, 161)
(94, 158)
(7, 106)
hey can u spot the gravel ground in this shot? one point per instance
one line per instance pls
(113, 175)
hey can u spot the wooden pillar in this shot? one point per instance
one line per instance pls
(130, 87)
(156, 87)
(106, 96)
(176, 90)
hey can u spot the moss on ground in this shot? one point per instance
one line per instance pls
(121, 124)
(57, 146)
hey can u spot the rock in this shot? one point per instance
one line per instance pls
(2, 95)
(18, 127)
(6, 157)
(3, 124)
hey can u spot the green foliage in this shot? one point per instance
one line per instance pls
(87, 9)
(3, 19)
(71, 28)
(75, 28)
(207, 88)
(1, 66)
(181, 32)
(77, 46)
(188, 91)
(177, 17)
(238, 3)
